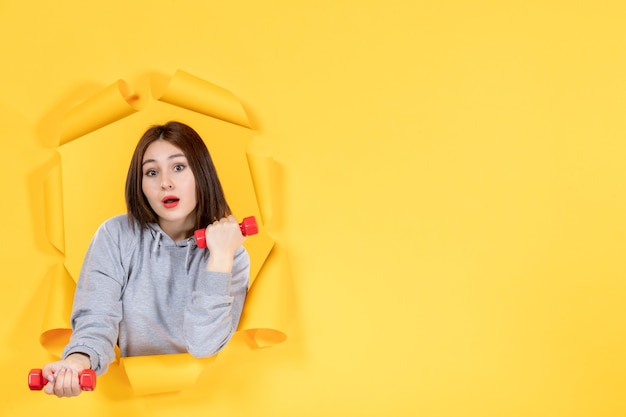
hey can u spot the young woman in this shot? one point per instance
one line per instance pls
(145, 285)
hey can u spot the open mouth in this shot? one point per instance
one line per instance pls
(170, 201)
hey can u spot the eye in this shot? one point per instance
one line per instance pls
(179, 167)
(150, 173)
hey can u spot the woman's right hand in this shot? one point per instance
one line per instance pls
(62, 375)
(223, 238)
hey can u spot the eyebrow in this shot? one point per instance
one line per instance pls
(176, 155)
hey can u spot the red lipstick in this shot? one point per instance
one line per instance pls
(170, 201)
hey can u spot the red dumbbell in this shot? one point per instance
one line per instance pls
(86, 380)
(248, 227)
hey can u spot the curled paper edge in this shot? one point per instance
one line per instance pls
(260, 164)
(264, 338)
(56, 328)
(267, 326)
(53, 200)
(113, 103)
(195, 94)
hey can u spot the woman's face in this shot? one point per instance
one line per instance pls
(170, 187)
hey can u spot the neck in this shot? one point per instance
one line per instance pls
(177, 231)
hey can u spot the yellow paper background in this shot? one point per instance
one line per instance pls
(450, 204)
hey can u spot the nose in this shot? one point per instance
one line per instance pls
(166, 183)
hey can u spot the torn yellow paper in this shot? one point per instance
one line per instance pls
(158, 374)
(98, 136)
(272, 288)
(193, 93)
(113, 103)
(53, 200)
(261, 164)
(56, 324)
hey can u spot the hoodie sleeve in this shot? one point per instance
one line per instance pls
(215, 308)
(97, 308)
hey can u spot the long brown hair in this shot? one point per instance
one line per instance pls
(212, 203)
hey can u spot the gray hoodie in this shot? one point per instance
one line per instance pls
(150, 295)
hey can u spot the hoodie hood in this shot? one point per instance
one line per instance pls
(162, 239)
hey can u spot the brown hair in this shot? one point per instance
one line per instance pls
(212, 203)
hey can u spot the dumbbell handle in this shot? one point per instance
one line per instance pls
(86, 380)
(248, 227)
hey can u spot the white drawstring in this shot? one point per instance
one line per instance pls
(157, 241)
(187, 257)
